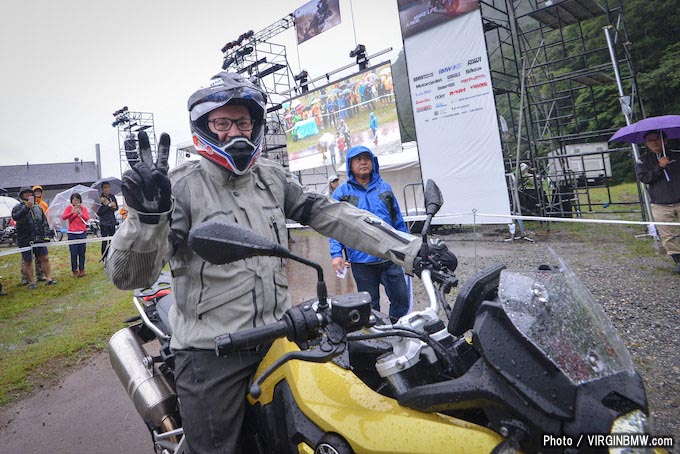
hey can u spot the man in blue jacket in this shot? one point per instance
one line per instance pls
(367, 190)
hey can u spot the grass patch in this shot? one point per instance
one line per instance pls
(44, 331)
(610, 202)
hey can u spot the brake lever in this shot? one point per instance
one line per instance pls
(447, 279)
(326, 351)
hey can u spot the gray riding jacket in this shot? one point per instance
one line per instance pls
(211, 300)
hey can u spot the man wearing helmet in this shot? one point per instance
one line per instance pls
(229, 184)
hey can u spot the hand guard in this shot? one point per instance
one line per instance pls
(146, 186)
(439, 258)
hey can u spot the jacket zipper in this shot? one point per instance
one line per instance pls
(276, 232)
(200, 295)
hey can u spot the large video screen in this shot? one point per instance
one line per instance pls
(315, 17)
(419, 15)
(324, 123)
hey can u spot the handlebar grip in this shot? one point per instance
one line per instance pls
(250, 339)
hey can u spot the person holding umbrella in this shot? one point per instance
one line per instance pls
(659, 169)
(77, 216)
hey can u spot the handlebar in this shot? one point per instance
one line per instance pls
(299, 324)
(250, 339)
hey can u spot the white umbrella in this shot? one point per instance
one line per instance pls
(6, 205)
(62, 200)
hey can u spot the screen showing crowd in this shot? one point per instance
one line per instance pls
(358, 110)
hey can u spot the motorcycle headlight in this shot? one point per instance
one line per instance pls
(634, 422)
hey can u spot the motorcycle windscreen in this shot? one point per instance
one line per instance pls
(554, 311)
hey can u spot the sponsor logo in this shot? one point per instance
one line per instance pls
(444, 87)
(425, 84)
(472, 61)
(423, 76)
(424, 108)
(471, 70)
(440, 104)
(423, 93)
(452, 76)
(483, 84)
(450, 68)
(457, 92)
(423, 100)
(470, 79)
(440, 96)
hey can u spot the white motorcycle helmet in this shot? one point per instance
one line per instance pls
(239, 153)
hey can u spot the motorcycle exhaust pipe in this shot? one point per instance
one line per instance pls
(154, 400)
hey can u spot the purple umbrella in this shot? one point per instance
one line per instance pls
(670, 124)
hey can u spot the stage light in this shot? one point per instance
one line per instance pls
(247, 50)
(360, 53)
(121, 116)
(303, 77)
(227, 62)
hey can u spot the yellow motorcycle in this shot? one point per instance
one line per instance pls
(523, 361)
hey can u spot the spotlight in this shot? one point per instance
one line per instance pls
(121, 116)
(227, 62)
(360, 53)
(303, 77)
(247, 50)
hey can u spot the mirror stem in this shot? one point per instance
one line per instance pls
(321, 291)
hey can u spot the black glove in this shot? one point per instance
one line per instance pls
(438, 257)
(146, 186)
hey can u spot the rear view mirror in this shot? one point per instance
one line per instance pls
(221, 242)
(433, 198)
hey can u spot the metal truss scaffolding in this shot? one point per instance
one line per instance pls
(131, 124)
(547, 76)
(266, 62)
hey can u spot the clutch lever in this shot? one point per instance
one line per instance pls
(326, 351)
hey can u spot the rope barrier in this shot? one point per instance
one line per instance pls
(53, 244)
(411, 218)
(541, 219)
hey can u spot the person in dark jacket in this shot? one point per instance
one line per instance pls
(659, 169)
(107, 215)
(32, 228)
(38, 192)
(367, 190)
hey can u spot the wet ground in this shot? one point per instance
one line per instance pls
(89, 411)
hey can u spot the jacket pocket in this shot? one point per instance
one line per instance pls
(239, 297)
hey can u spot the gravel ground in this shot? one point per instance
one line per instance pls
(639, 292)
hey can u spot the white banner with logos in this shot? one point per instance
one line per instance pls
(456, 121)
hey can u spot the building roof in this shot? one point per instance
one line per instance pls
(56, 174)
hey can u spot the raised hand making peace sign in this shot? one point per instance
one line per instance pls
(146, 186)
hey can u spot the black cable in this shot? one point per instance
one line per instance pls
(441, 351)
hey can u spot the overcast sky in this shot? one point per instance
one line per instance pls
(67, 65)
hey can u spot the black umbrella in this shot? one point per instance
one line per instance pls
(116, 184)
